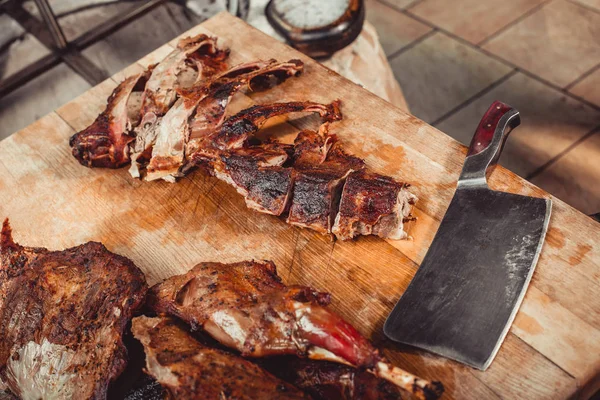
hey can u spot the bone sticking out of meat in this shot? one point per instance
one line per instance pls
(190, 370)
(195, 60)
(105, 143)
(325, 380)
(62, 317)
(208, 102)
(258, 175)
(238, 128)
(373, 204)
(320, 170)
(245, 307)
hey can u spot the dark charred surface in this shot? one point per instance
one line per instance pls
(368, 201)
(267, 186)
(235, 130)
(147, 388)
(190, 370)
(320, 169)
(79, 299)
(325, 380)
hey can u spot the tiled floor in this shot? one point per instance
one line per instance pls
(452, 60)
(540, 56)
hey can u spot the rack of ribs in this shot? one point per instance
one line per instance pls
(246, 307)
(62, 318)
(190, 370)
(173, 118)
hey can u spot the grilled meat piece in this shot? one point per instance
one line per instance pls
(258, 175)
(195, 60)
(62, 317)
(373, 204)
(147, 388)
(190, 370)
(246, 307)
(320, 170)
(209, 102)
(325, 380)
(105, 143)
(235, 130)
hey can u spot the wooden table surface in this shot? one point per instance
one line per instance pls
(553, 348)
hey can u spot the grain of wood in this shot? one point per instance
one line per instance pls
(167, 228)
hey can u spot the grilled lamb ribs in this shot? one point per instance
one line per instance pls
(208, 102)
(194, 61)
(246, 307)
(320, 170)
(190, 370)
(62, 318)
(373, 204)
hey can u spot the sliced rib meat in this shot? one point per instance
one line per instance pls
(257, 173)
(208, 102)
(320, 169)
(105, 143)
(235, 131)
(373, 204)
(62, 317)
(325, 380)
(195, 60)
(190, 370)
(245, 307)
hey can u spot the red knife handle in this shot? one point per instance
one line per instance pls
(486, 146)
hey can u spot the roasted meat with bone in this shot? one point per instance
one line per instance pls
(62, 317)
(237, 129)
(258, 174)
(190, 370)
(246, 307)
(207, 104)
(373, 204)
(195, 60)
(320, 168)
(325, 380)
(105, 143)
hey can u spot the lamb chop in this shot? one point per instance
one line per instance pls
(209, 101)
(320, 170)
(195, 60)
(62, 317)
(190, 370)
(373, 204)
(258, 174)
(105, 143)
(235, 131)
(246, 307)
(325, 380)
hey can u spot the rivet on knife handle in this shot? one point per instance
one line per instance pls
(487, 143)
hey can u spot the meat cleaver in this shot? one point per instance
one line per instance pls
(465, 295)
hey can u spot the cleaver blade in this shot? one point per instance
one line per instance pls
(468, 289)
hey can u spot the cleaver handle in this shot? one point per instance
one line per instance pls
(487, 143)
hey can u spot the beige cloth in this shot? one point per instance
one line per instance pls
(363, 62)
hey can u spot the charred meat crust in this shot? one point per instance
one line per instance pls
(320, 169)
(190, 370)
(325, 380)
(373, 204)
(68, 309)
(179, 130)
(245, 307)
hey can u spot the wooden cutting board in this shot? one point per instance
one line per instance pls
(553, 348)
